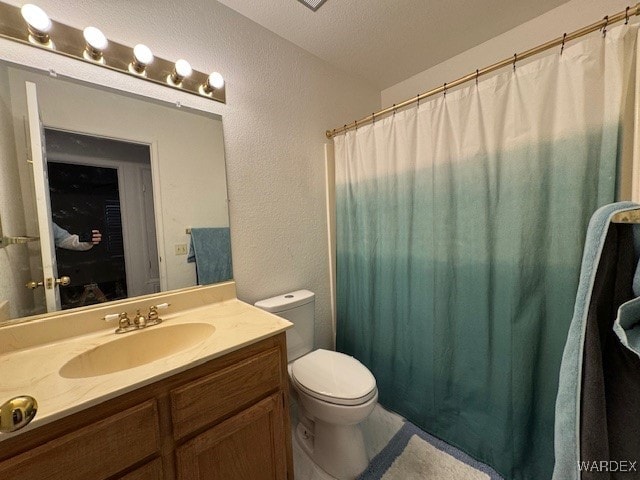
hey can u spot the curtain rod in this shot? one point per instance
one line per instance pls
(601, 25)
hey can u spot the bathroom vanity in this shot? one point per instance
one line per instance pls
(217, 408)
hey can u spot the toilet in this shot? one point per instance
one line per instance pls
(335, 392)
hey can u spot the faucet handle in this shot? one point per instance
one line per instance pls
(153, 318)
(124, 322)
(111, 317)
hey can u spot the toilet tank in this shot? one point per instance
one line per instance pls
(299, 308)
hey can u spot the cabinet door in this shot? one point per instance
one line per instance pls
(248, 446)
(150, 471)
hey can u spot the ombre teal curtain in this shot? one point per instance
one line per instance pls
(460, 227)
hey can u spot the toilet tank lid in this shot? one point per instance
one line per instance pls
(286, 301)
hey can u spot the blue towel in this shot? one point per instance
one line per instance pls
(567, 422)
(210, 249)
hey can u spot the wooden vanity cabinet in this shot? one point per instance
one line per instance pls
(225, 419)
(248, 445)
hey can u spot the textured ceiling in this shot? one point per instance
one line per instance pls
(387, 41)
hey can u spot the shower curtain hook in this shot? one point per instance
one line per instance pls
(515, 59)
(564, 37)
(373, 118)
(604, 28)
(418, 100)
(444, 89)
(394, 109)
(477, 75)
(626, 15)
(356, 124)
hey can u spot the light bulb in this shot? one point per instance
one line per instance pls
(38, 22)
(142, 57)
(142, 54)
(214, 82)
(181, 70)
(96, 43)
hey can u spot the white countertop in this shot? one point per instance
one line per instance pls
(35, 370)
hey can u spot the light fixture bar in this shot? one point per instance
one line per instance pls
(70, 42)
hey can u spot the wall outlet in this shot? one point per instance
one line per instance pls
(181, 249)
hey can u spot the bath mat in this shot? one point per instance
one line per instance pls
(415, 455)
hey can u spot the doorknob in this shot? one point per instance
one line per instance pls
(62, 281)
(17, 413)
(33, 284)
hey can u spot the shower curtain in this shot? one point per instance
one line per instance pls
(460, 227)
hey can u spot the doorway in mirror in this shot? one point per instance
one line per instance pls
(102, 185)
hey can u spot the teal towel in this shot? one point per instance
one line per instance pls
(567, 421)
(210, 249)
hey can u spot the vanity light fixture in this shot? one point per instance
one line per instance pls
(38, 23)
(214, 82)
(181, 70)
(96, 44)
(30, 25)
(142, 57)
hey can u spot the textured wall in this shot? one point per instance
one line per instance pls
(280, 100)
(571, 16)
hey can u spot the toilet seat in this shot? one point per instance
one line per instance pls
(333, 377)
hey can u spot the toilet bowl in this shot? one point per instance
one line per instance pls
(335, 392)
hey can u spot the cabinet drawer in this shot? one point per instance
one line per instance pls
(204, 401)
(96, 451)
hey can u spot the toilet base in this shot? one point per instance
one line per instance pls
(337, 449)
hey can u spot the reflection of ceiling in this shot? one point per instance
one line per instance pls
(387, 41)
(62, 144)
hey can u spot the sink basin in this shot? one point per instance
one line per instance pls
(133, 349)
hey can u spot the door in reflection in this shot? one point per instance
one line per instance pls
(102, 185)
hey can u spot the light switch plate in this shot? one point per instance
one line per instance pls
(181, 249)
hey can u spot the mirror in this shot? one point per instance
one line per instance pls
(113, 197)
